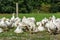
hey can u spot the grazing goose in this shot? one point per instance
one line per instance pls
(8, 23)
(40, 27)
(2, 23)
(18, 30)
(1, 30)
(15, 24)
(52, 28)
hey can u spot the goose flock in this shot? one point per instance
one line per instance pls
(51, 24)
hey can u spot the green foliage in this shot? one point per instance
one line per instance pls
(28, 6)
(55, 7)
(45, 7)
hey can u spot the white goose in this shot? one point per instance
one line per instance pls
(52, 28)
(17, 19)
(40, 27)
(53, 18)
(8, 23)
(1, 30)
(18, 30)
(24, 19)
(2, 23)
(45, 20)
(15, 24)
(12, 18)
(32, 19)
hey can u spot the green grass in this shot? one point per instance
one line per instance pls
(10, 35)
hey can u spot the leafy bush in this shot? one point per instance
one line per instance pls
(45, 7)
(55, 7)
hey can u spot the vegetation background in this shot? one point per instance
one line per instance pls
(30, 6)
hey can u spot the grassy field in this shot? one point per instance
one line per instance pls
(10, 35)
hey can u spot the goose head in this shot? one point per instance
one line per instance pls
(53, 17)
(44, 21)
(13, 14)
(24, 19)
(3, 19)
(17, 19)
(38, 23)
